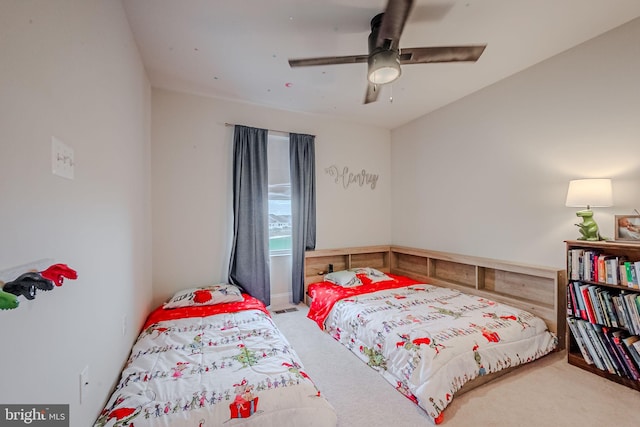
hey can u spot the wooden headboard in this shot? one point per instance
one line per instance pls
(539, 290)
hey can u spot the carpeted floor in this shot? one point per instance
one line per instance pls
(548, 392)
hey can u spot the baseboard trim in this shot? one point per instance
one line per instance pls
(281, 300)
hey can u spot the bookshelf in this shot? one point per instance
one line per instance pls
(603, 309)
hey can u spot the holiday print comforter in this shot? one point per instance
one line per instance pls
(223, 365)
(428, 341)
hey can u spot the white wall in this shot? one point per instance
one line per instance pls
(70, 69)
(488, 175)
(280, 269)
(191, 180)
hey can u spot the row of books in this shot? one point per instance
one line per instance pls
(604, 306)
(593, 266)
(610, 349)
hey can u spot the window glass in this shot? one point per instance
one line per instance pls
(279, 195)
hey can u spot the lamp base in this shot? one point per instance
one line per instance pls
(598, 239)
(588, 228)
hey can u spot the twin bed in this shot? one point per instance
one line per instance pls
(432, 324)
(435, 324)
(212, 356)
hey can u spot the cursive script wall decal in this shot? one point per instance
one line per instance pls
(347, 178)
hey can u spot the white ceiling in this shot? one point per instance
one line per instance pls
(238, 49)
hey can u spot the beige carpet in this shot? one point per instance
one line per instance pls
(549, 392)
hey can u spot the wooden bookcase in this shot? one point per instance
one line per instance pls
(619, 251)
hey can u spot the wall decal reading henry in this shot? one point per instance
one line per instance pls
(347, 178)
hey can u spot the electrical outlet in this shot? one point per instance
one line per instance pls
(84, 382)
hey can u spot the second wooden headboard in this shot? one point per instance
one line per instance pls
(539, 290)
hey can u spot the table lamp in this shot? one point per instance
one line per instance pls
(588, 193)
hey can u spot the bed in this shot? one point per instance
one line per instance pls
(212, 356)
(435, 324)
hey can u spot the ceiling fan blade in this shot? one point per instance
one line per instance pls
(393, 20)
(329, 60)
(372, 93)
(423, 55)
(384, 51)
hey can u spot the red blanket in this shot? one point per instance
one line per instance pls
(325, 294)
(160, 314)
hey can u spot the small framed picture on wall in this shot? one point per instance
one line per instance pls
(627, 227)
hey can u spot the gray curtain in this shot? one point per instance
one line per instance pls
(303, 206)
(249, 265)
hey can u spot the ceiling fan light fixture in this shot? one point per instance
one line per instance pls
(384, 54)
(384, 67)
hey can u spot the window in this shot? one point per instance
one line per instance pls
(279, 195)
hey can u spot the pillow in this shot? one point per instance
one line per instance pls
(344, 278)
(372, 274)
(205, 295)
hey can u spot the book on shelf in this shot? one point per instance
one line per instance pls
(590, 344)
(610, 309)
(601, 270)
(577, 335)
(591, 315)
(587, 265)
(634, 306)
(630, 306)
(624, 277)
(598, 309)
(631, 275)
(621, 313)
(613, 271)
(627, 363)
(572, 307)
(604, 347)
(610, 355)
(632, 359)
(593, 266)
(574, 263)
(629, 341)
(580, 309)
(607, 315)
(636, 346)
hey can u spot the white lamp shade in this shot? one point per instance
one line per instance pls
(384, 67)
(384, 75)
(589, 193)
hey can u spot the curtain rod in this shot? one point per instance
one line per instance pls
(270, 130)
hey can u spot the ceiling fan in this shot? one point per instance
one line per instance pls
(385, 55)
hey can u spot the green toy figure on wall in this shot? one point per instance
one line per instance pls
(8, 301)
(588, 228)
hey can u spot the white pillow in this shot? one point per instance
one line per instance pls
(372, 274)
(344, 278)
(205, 295)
